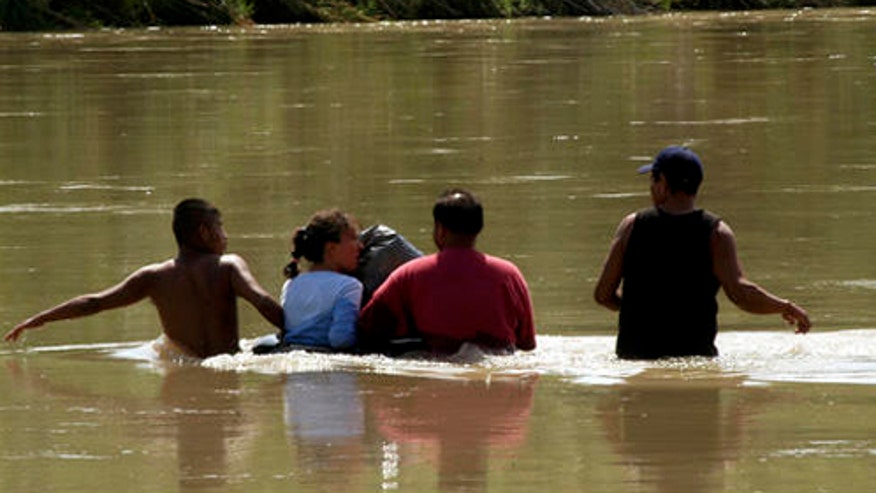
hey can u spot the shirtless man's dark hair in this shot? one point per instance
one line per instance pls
(195, 292)
(190, 214)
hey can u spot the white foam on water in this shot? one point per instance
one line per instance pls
(847, 357)
(754, 358)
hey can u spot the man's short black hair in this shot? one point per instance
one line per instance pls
(189, 215)
(459, 211)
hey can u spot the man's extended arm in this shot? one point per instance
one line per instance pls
(131, 290)
(744, 293)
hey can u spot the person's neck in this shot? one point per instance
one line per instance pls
(678, 204)
(186, 252)
(321, 267)
(458, 241)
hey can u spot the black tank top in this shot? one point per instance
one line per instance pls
(668, 305)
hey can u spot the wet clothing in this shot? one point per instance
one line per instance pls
(320, 309)
(668, 304)
(456, 295)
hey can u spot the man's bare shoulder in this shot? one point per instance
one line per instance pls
(234, 262)
(232, 259)
(143, 281)
(159, 266)
(625, 226)
(154, 269)
(723, 235)
(722, 228)
(236, 268)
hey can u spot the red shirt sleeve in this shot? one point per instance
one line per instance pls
(525, 332)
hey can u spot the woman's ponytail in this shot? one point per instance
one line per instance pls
(299, 247)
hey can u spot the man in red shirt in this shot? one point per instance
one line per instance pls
(454, 296)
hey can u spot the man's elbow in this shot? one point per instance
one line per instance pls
(735, 298)
(739, 294)
(606, 298)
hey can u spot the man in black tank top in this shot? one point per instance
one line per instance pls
(671, 260)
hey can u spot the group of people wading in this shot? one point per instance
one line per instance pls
(662, 273)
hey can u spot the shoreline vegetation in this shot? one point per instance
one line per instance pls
(52, 15)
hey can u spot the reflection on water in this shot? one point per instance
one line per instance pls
(323, 407)
(457, 426)
(334, 418)
(325, 422)
(679, 425)
(203, 406)
(193, 419)
(676, 438)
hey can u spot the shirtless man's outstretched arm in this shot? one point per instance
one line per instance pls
(131, 290)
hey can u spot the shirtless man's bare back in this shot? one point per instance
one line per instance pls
(195, 293)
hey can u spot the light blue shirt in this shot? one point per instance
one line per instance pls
(320, 309)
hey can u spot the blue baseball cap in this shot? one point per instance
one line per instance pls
(680, 165)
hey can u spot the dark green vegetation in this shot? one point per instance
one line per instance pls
(27, 15)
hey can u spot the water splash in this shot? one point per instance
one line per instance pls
(847, 356)
(752, 358)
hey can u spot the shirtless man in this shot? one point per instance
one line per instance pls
(195, 293)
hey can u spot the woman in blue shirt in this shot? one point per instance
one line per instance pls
(321, 305)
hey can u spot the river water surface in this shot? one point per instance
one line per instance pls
(101, 133)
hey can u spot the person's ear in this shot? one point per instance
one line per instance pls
(439, 234)
(203, 233)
